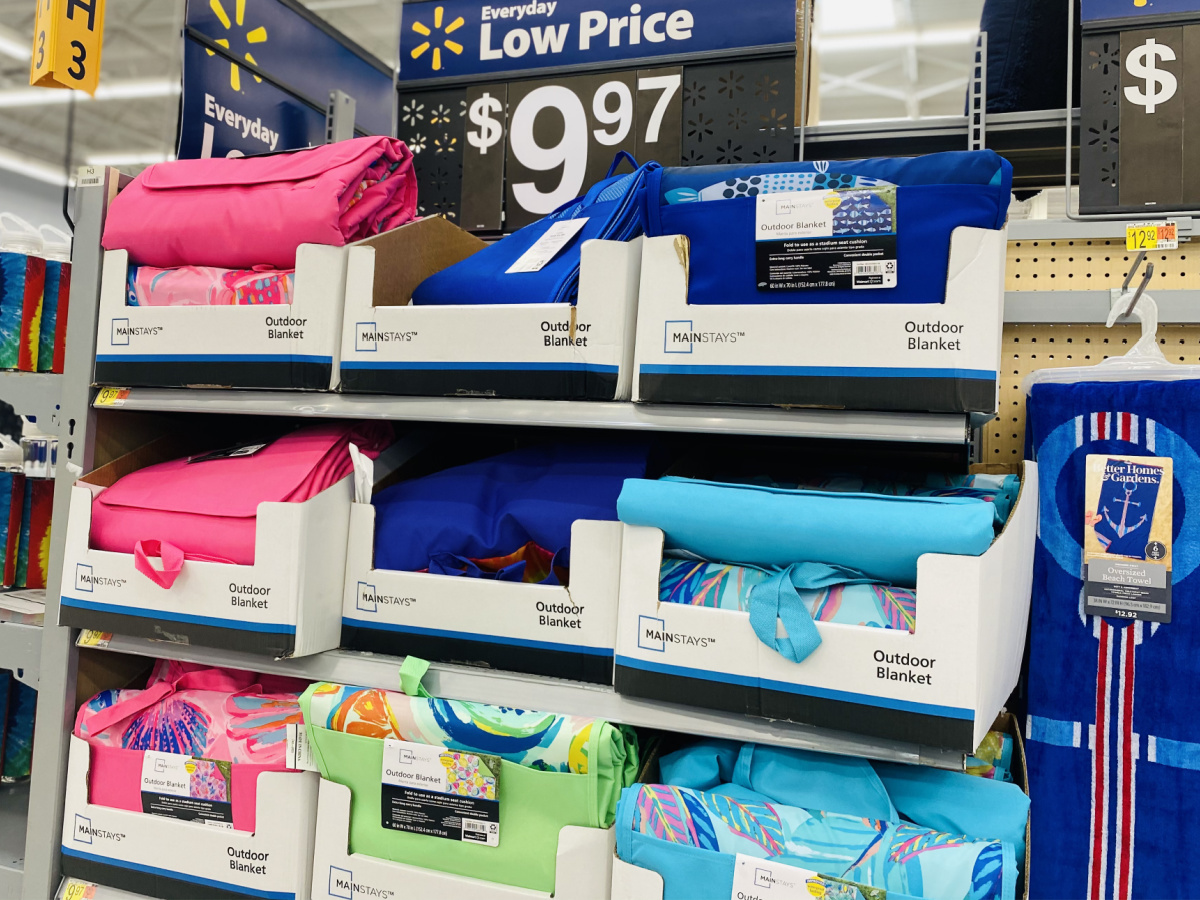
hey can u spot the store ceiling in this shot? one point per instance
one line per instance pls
(877, 58)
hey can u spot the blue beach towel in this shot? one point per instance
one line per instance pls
(715, 207)
(614, 209)
(1112, 736)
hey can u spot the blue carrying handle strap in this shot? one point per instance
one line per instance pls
(776, 598)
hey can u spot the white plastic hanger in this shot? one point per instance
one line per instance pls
(23, 238)
(1143, 362)
(56, 243)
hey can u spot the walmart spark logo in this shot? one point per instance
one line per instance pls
(257, 36)
(424, 30)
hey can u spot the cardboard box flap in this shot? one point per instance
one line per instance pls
(406, 256)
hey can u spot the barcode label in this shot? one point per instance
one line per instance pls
(481, 832)
(878, 273)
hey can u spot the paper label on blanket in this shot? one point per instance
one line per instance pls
(298, 751)
(764, 879)
(826, 239)
(547, 246)
(445, 793)
(1128, 525)
(184, 787)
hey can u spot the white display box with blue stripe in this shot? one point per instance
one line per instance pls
(534, 350)
(940, 686)
(869, 355)
(165, 857)
(285, 604)
(582, 871)
(562, 632)
(290, 346)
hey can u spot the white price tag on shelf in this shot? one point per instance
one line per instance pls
(88, 176)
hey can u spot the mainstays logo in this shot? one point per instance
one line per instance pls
(343, 885)
(122, 331)
(368, 337)
(680, 337)
(85, 832)
(85, 580)
(653, 635)
(369, 600)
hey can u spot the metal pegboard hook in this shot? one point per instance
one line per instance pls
(1141, 288)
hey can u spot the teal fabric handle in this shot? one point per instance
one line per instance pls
(776, 598)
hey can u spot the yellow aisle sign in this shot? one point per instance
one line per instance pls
(67, 35)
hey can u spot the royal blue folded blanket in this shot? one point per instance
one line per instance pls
(715, 207)
(614, 209)
(1112, 738)
(496, 506)
(881, 536)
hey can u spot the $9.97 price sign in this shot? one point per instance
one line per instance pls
(539, 144)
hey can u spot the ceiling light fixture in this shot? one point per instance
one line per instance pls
(14, 44)
(22, 164)
(115, 90)
(131, 158)
(929, 37)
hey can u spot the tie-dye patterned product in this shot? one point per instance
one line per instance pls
(18, 738)
(555, 771)
(52, 335)
(222, 715)
(12, 505)
(691, 837)
(723, 586)
(208, 286)
(22, 282)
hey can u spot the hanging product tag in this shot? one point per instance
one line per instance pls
(248, 448)
(1128, 525)
(440, 792)
(183, 787)
(765, 879)
(826, 239)
(547, 247)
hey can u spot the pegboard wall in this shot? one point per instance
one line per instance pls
(1089, 265)
(1030, 347)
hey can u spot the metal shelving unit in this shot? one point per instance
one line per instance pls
(34, 394)
(482, 685)
(14, 806)
(21, 651)
(932, 428)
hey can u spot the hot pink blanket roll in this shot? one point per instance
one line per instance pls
(208, 509)
(255, 211)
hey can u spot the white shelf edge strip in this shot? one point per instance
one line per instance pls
(551, 695)
(21, 649)
(944, 428)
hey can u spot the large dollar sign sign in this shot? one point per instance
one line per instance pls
(1142, 62)
(489, 129)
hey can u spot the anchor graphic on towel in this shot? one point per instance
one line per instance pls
(1120, 528)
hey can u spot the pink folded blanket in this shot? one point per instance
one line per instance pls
(208, 286)
(208, 507)
(234, 721)
(252, 211)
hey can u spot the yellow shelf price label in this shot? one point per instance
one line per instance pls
(90, 638)
(112, 396)
(74, 889)
(1152, 236)
(67, 37)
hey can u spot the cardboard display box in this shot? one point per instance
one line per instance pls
(258, 346)
(582, 870)
(285, 604)
(158, 856)
(532, 351)
(941, 686)
(934, 357)
(563, 632)
(630, 882)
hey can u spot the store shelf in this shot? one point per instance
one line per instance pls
(551, 694)
(14, 812)
(21, 651)
(35, 394)
(935, 428)
(1083, 230)
(93, 891)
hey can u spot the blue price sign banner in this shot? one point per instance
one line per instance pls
(452, 39)
(1106, 10)
(257, 76)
